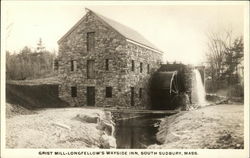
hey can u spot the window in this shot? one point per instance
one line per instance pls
(90, 41)
(107, 64)
(56, 65)
(140, 67)
(133, 66)
(73, 65)
(108, 92)
(148, 68)
(90, 69)
(140, 93)
(73, 92)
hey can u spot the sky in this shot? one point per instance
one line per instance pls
(178, 30)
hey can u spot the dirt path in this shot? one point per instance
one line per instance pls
(53, 128)
(213, 127)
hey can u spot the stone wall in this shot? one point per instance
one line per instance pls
(109, 44)
(137, 79)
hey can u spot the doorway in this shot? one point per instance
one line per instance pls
(132, 96)
(90, 96)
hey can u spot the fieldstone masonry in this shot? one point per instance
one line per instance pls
(111, 45)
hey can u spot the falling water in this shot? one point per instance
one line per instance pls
(198, 90)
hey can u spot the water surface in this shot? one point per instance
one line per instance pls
(139, 132)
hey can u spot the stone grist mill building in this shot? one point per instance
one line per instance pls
(104, 63)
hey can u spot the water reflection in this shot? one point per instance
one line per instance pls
(139, 132)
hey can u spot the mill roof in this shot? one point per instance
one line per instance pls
(125, 31)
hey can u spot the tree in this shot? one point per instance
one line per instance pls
(26, 50)
(40, 47)
(217, 45)
(224, 54)
(234, 56)
(29, 65)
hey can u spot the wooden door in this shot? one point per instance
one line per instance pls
(91, 96)
(132, 96)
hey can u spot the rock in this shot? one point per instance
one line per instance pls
(224, 101)
(108, 115)
(61, 125)
(154, 146)
(172, 137)
(107, 141)
(87, 118)
(107, 127)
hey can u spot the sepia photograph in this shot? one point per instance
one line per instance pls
(149, 76)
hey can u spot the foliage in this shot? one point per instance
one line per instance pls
(234, 55)
(28, 64)
(40, 47)
(215, 54)
(236, 91)
(224, 55)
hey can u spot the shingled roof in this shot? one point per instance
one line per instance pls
(130, 34)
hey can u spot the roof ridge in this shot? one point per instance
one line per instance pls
(141, 43)
(123, 30)
(103, 21)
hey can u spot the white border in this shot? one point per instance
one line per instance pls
(218, 153)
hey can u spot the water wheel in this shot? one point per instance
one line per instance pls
(174, 89)
(173, 85)
(165, 90)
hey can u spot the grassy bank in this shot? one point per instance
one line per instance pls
(39, 81)
(34, 96)
(212, 127)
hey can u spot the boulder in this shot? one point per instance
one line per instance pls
(87, 118)
(107, 141)
(106, 126)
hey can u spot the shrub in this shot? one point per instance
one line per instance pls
(236, 91)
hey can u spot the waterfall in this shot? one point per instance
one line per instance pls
(198, 90)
